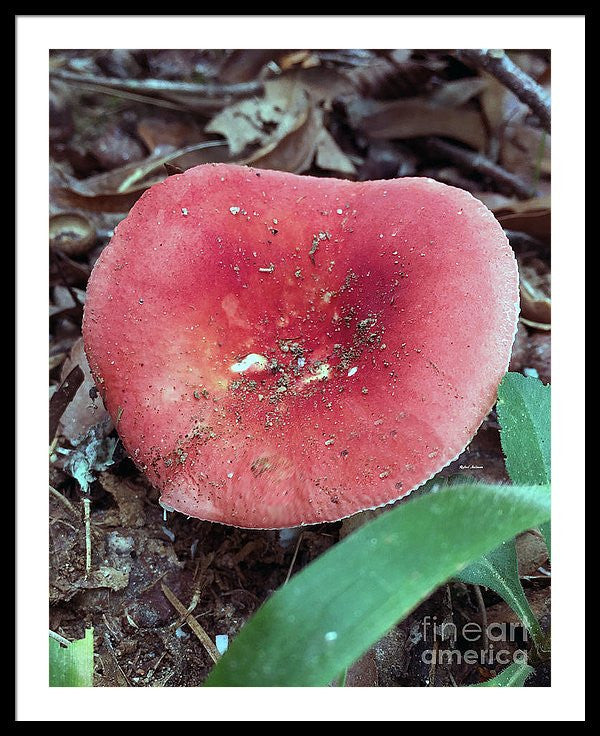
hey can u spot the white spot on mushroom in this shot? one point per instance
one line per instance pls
(352, 371)
(234, 210)
(327, 296)
(184, 210)
(253, 360)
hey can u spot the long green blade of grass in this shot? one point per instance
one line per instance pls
(343, 602)
(513, 676)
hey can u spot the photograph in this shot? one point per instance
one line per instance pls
(286, 290)
(299, 371)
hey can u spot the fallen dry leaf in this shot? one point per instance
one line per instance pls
(158, 131)
(119, 189)
(130, 499)
(244, 65)
(302, 58)
(60, 399)
(296, 151)
(535, 307)
(457, 92)
(330, 156)
(530, 216)
(82, 412)
(531, 553)
(525, 150)
(105, 577)
(323, 84)
(415, 118)
(264, 121)
(393, 75)
(500, 106)
(71, 233)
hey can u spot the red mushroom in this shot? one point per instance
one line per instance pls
(279, 350)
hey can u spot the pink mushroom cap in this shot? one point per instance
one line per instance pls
(279, 350)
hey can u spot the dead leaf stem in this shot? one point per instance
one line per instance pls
(472, 161)
(161, 86)
(499, 65)
(204, 638)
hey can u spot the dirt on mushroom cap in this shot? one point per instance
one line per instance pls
(287, 350)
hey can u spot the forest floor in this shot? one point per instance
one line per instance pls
(120, 121)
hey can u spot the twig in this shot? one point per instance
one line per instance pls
(483, 611)
(471, 161)
(111, 649)
(54, 520)
(114, 633)
(63, 500)
(292, 563)
(499, 65)
(143, 99)
(204, 638)
(161, 86)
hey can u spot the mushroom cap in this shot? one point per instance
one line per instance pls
(279, 350)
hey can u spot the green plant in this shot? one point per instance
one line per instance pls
(513, 676)
(309, 631)
(71, 664)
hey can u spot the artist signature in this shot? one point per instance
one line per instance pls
(471, 467)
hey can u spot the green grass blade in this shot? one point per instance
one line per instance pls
(498, 570)
(72, 666)
(347, 599)
(513, 676)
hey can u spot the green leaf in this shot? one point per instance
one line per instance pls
(513, 676)
(348, 598)
(524, 414)
(498, 570)
(524, 411)
(72, 666)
